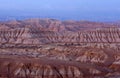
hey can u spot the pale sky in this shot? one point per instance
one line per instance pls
(68, 9)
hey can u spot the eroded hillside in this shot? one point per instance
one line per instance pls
(49, 48)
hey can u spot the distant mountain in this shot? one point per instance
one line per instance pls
(55, 25)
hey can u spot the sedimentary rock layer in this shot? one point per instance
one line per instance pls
(59, 49)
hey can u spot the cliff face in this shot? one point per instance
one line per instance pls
(49, 48)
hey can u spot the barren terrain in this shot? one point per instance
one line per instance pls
(49, 48)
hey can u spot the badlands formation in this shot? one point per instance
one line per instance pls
(49, 48)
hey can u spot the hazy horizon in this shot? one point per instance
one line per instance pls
(94, 10)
